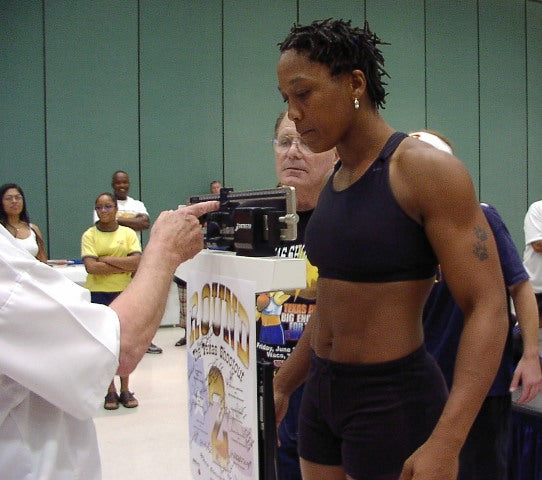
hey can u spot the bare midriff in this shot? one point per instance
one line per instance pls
(368, 322)
(270, 320)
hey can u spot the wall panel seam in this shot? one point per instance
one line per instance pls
(45, 138)
(526, 105)
(222, 69)
(479, 99)
(140, 169)
(425, 62)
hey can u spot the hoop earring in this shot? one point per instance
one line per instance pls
(356, 103)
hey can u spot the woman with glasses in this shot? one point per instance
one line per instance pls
(111, 254)
(14, 217)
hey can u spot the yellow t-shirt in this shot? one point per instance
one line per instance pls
(120, 243)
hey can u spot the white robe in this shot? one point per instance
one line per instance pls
(532, 261)
(58, 354)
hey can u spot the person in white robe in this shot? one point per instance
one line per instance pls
(58, 351)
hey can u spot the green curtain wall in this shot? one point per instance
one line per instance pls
(182, 92)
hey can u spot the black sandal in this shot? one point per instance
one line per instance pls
(128, 400)
(111, 401)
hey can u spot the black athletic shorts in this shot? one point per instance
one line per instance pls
(539, 303)
(370, 418)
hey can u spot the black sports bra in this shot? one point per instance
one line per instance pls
(361, 234)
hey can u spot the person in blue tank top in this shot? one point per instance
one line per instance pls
(485, 453)
(375, 404)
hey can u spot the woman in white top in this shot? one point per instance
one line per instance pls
(14, 216)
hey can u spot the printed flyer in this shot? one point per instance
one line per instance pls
(223, 414)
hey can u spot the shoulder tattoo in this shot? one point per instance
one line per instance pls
(480, 247)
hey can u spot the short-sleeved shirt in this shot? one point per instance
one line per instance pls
(120, 243)
(532, 261)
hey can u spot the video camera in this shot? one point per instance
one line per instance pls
(251, 223)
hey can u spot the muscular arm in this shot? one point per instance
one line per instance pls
(125, 264)
(528, 370)
(436, 190)
(470, 264)
(138, 223)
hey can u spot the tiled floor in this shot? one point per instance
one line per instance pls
(150, 441)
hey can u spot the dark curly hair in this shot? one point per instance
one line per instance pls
(110, 195)
(342, 48)
(3, 215)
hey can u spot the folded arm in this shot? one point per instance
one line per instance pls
(125, 264)
(138, 223)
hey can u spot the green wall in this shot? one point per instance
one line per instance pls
(182, 92)
(534, 102)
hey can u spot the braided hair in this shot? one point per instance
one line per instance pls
(342, 48)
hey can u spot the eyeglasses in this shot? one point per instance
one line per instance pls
(283, 144)
(107, 208)
(9, 198)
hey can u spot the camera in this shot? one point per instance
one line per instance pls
(251, 223)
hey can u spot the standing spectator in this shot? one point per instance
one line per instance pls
(14, 217)
(532, 255)
(131, 213)
(443, 322)
(215, 186)
(111, 254)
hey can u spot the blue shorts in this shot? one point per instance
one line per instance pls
(539, 303)
(103, 298)
(370, 418)
(288, 458)
(272, 335)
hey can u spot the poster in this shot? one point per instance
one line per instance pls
(281, 316)
(223, 423)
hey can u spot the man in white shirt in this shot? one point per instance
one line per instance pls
(532, 256)
(131, 212)
(58, 351)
